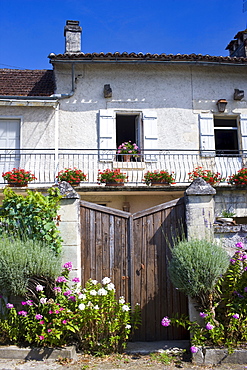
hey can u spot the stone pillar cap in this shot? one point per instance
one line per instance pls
(200, 187)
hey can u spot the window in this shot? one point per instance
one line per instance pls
(222, 135)
(226, 135)
(9, 144)
(128, 128)
(117, 127)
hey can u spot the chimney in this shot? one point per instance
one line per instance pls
(72, 33)
(238, 46)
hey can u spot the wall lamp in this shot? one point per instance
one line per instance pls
(221, 103)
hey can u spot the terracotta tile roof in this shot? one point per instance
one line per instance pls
(138, 57)
(15, 82)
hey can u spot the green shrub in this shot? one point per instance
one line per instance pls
(22, 262)
(35, 214)
(225, 323)
(195, 268)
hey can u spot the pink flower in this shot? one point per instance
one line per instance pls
(58, 289)
(68, 292)
(61, 279)
(41, 337)
(203, 315)
(9, 305)
(38, 317)
(165, 321)
(22, 313)
(76, 280)
(193, 349)
(49, 330)
(239, 245)
(209, 326)
(41, 322)
(64, 322)
(68, 266)
(235, 316)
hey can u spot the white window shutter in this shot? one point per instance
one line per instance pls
(207, 143)
(150, 134)
(243, 125)
(107, 134)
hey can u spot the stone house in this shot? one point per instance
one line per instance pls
(183, 111)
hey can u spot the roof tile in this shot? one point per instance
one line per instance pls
(15, 82)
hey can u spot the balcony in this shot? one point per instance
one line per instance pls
(46, 163)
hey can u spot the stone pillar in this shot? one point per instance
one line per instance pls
(199, 220)
(200, 210)
(70, 228)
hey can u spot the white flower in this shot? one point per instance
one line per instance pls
(93, 292)
(94, 282)
(125, 307)
(106, 280)
(110, 286)
(121, 300)
(81, 306)
(102, 291)
(96, 307)
(128, 327)
(89, 304)
(43, 300)
(82, 296)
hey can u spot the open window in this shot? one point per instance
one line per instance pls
(116, 127)
(128, 128)
(226, 136)
(222, 135)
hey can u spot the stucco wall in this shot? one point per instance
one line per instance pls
(37, 125)
(178, 93)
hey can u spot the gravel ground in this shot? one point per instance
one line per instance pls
(114, 362)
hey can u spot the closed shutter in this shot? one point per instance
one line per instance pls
(243, 125)
(107, 134)
(9, 144)
(207, 143)
(150, 135)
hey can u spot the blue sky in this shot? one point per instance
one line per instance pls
(31, 29)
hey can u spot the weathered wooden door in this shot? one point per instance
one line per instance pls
(133, 250)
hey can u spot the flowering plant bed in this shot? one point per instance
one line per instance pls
(239, 178)
(91, 316)
(221, 301)
(18, 176)
(209, 176)
(111, 176)
(128, 148)
(160, 177)
(71, 175)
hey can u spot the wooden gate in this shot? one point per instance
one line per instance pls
(133, 250)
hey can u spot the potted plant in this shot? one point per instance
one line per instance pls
(209, 176)
(159, 178)
(239, 179)
(18, 177)
(226, 216)
(71, 175)
(112, 177)
(128, 150)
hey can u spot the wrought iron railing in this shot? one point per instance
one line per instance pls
(45, 163)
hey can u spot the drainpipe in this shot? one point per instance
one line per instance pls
(68, 95)
(56, 135)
